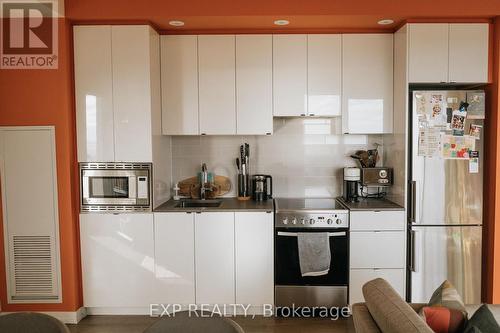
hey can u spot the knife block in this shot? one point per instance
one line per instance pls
(243, 188)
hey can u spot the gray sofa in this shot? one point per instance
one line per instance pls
(385, 311)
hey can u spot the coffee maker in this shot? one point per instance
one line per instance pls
(352, 177)
(261, 190)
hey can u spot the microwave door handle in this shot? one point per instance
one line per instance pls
(132, 187)
(85, 187)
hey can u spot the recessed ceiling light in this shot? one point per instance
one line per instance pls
(385, 22)
(282, 22)
(176, 23)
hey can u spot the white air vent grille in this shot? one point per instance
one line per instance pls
(114, 166)
(34, 271)
(111, 209)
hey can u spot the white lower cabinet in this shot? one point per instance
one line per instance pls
(377, 247)
(214, 258)
(117, 253)
(386, 220)
(254, 258)
(374, 249)
(174, 258)
(130, 261)
(358, 277)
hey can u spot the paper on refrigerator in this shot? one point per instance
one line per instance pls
(457, 147)
(429, 142)
(431, 109)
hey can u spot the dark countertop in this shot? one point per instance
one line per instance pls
(227, 205)
(370, 204)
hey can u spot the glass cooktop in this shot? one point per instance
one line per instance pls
(320, 204)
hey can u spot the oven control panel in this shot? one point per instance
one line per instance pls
(329, 220)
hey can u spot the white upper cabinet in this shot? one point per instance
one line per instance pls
(290, 75)
(468, 52)
(254, 84)
(132, 91)
(367, 83)
(217, 93)
(179, 84)
(448, 53)
(324, 74)
(94, 93)
(117, 92)
(428, 53)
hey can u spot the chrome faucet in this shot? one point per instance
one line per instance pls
(204, 181)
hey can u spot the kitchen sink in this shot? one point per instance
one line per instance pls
(198, 204)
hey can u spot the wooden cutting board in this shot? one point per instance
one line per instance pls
(190, 187)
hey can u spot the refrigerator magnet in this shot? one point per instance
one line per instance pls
(474, 162)
(449, 115)
(475, 131)
(436, 110)
(436, 98)
(458, 122)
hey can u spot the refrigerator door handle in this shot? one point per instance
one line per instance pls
(413, 201)
(411, 259)
(413, 263)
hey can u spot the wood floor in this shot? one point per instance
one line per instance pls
(137, 324)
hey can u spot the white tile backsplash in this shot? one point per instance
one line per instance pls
(305, 156)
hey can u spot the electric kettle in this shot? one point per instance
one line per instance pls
(261, 189)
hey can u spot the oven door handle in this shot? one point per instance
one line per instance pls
(294, 234)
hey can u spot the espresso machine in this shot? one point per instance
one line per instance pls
(352, 177)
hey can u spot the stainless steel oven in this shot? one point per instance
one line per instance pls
(295, 216)
(111, 187)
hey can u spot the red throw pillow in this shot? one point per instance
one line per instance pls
(443, 320)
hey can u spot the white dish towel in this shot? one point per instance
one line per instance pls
(314, 253)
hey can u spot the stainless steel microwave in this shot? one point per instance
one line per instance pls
(115, 187)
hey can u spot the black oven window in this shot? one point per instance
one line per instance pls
(287, 266)
(108, 187)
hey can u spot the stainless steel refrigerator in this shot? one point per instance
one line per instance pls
(446, 193)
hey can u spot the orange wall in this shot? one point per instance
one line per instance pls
(492, 179)
(45, 97)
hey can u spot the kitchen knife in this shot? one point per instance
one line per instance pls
(247, 153)
(242, 154)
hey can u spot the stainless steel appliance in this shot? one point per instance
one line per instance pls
(303, 216)
(445, 193)
(376, 177)
(111, 187)
(262, 190)
(351, 184)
